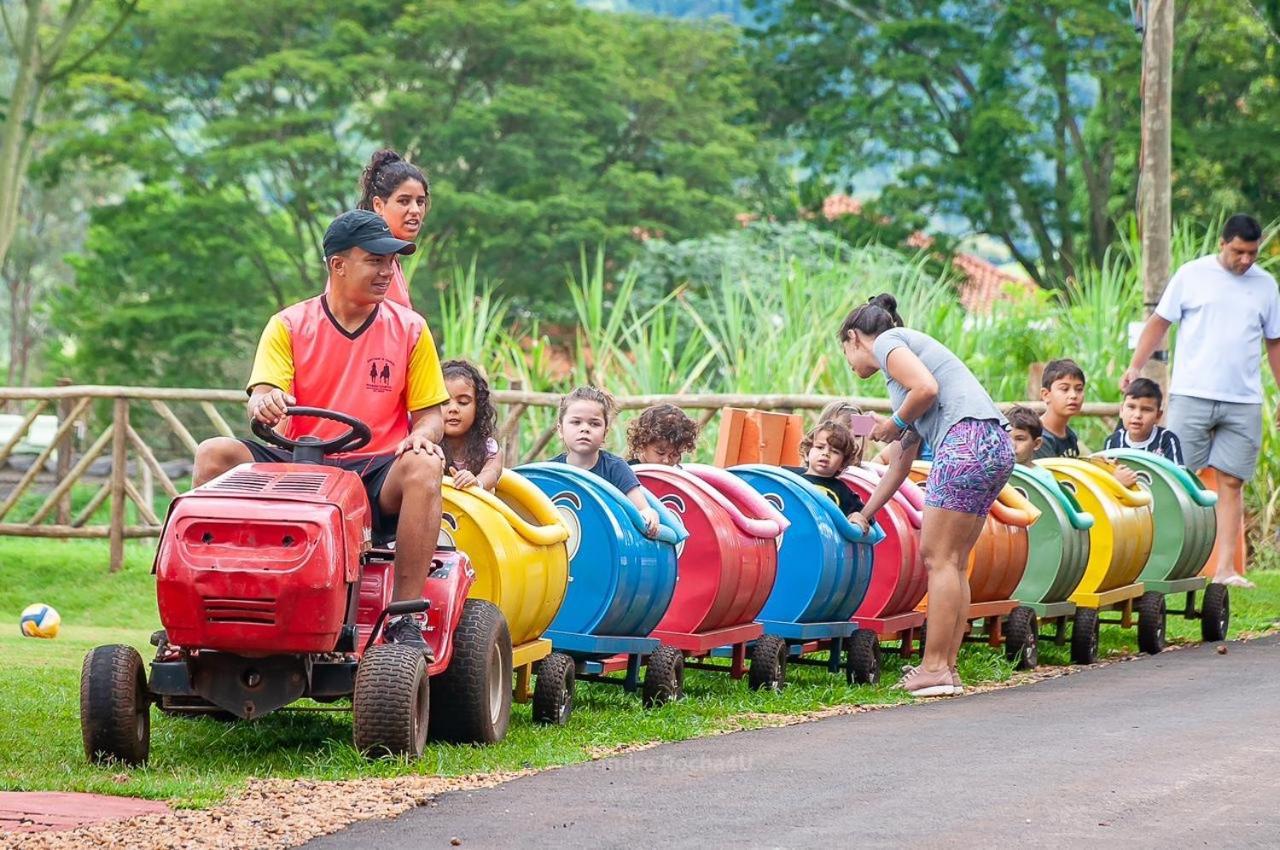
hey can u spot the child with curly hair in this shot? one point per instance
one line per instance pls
(584, 419)
(844, 412)
(827, 450)
(661, 434)
(470, 421)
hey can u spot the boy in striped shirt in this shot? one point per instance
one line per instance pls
(1143, 407)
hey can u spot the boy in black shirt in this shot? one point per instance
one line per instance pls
(1143, 407)
(827, 450)
(1062, 391)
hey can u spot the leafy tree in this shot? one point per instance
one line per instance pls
(1226, 113)
(992, 113)
(171, 305)
(546, 127)
(41, 44)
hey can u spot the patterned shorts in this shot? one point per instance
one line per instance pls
(970, 467)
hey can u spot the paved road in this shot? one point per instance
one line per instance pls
(1137, 753)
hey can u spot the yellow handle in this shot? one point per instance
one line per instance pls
(552, 529)
(1129, 497)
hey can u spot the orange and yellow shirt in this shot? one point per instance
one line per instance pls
(379, 373)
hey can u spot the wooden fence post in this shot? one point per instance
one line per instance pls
(65, 449)
(119, 472)
(1035, 374)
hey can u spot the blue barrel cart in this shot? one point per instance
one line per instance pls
(620, 585)
(824, 570)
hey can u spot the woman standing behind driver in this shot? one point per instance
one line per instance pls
(398, 191)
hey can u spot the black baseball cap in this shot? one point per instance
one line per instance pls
(363, 229)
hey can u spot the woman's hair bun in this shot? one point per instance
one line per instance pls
(885, 301)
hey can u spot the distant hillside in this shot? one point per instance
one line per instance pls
(734, 10)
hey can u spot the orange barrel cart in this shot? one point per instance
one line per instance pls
(996, 566)
(1119, 546)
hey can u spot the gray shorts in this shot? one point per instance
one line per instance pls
(1222, 434)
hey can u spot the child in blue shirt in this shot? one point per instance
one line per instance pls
(584, 419)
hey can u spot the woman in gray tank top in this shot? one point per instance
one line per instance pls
(937, 399)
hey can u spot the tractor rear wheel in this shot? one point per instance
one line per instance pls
(471, 699)
(392, 701)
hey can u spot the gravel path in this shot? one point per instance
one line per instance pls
(270, 814)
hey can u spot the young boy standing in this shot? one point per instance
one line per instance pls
(1062, 391)
(1143, 407)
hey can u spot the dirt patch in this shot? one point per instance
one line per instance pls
(268, 814)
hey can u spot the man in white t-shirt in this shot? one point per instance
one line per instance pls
(1227, 307)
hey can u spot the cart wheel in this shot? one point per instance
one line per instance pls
(1151, 616)
(553, 691)
(391, 702)
(471, 699)
(768, 664)
(663, 677)
(1215, 613)
(862, 659)
(1084, 636)
(1022, 638)
(115, 706)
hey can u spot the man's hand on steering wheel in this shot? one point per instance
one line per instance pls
(270, 407)
(418, 444)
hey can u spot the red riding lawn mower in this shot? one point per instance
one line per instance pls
(271, 590)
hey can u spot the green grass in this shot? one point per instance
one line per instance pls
(196, 762)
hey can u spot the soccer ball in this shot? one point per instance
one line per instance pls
(40, 621)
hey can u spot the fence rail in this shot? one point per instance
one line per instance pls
(116, 414)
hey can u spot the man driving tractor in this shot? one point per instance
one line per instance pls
(352, 351)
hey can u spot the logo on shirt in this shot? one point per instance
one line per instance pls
(378, 370)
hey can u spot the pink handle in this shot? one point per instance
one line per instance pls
(747, 499)
(908, 496)
(764, 528)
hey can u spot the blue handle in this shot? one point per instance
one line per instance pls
(670, 528)
(847, 530)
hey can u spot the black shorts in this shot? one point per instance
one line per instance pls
(372, 470)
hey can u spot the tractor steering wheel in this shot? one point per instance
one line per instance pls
(357, 436)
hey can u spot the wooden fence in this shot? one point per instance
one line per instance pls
(178, 418)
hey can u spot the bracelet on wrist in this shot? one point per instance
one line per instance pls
(899, 421)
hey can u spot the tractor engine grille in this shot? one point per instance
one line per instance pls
(246, 481)
(260, 612)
